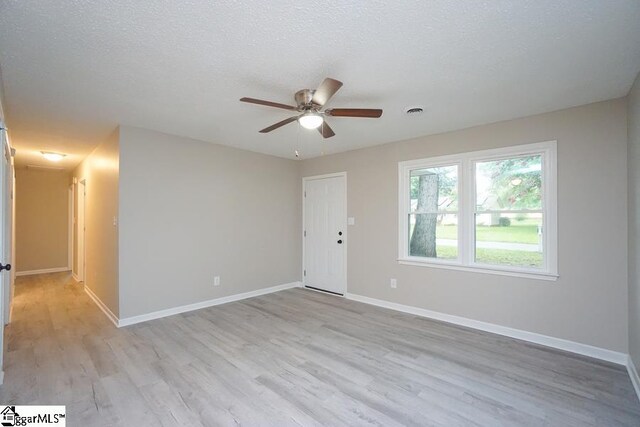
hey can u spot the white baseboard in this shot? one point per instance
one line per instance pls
(204, 304)
(42, 271)
(633, 374)
(558, 343)
(101, 306)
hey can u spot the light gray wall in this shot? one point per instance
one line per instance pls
(587, 304)
(634, 221)
(191, 210)
(100, 170)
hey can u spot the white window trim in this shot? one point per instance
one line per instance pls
(466, 210)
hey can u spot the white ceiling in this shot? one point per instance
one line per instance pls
(74, 70)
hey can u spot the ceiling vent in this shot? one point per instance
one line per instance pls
(413, 111)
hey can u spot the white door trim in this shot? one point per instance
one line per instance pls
(70, 225)
(346, 233)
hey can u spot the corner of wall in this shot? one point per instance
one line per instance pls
(101, 170)
(2, 114)
(633, 218)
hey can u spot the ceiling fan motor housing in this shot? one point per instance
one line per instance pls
(304, 99)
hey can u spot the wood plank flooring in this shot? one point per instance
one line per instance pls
(296, 357)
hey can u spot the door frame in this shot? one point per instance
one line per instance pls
(346, 232)
(71, 225)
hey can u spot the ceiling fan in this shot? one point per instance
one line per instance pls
(310, 103)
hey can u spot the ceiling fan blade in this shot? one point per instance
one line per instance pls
(268, 103)
(354, 112)
(325, 130)
(279, 124)
(325, 91)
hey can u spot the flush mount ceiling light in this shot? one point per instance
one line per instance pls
(52, 157)
(310, 120)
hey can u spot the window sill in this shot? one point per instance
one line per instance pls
(483, 269)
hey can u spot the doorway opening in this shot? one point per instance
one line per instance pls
(79, 265)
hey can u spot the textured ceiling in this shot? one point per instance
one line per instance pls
(73, 70)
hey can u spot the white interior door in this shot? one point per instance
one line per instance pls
(6, 181)
(81, 231)
(325, 233)
(5, 249)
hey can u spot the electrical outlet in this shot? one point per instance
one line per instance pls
(393, 283)
(216, 281)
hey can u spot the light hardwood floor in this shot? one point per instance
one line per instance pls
(296, 357)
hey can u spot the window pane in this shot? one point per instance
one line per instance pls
(509, 239)
(433, 235)
(434, 189)
(509, 184)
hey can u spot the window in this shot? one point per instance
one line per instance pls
(491, 211)
(434, 202)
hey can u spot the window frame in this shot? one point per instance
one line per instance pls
(467, 209)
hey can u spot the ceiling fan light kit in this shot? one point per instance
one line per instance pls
(310, 120)
(310, 103)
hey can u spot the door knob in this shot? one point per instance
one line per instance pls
(5, 267)
(340, 241)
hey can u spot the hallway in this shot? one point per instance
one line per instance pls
(53, 347)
